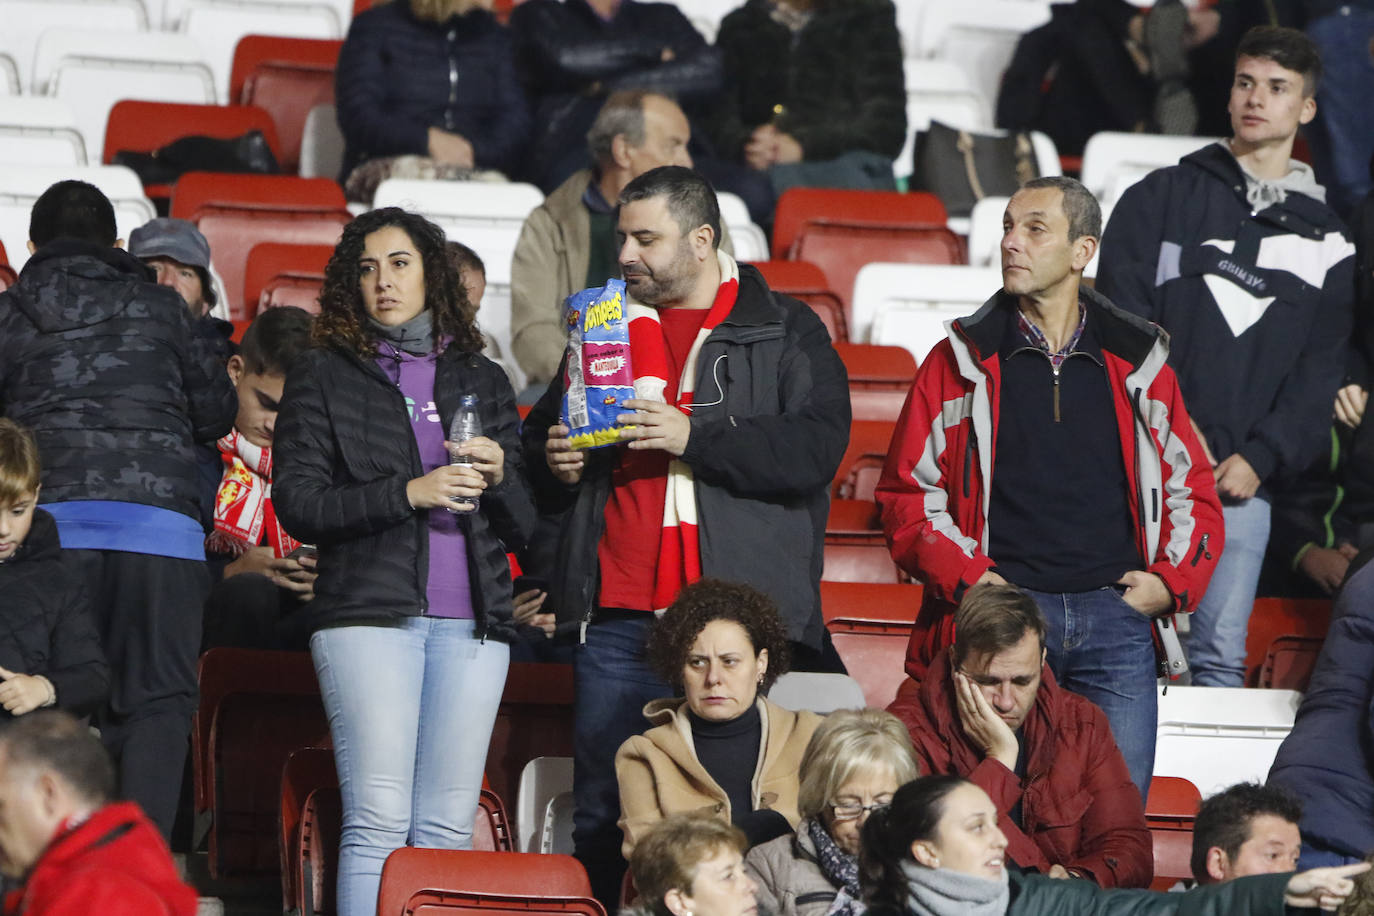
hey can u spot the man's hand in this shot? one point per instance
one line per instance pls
(990, 578)
(487, 457)
(656, 425)
(446, 487)
(788, 150)
(21, 693)
(1236, 479)
(1322, 887)
(564, 461)
(255, 560)
(296, 575)
(981, 723)
(1350, 404)
(527, 605)
(450, 149)
(1058, 871)
(1146, 592)
(761, 150)
(1327, 566)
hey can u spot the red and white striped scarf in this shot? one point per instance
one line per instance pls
(243, 503)
(679, 555)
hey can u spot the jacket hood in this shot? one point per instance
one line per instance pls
(69, 284)
(1306, 198)
(43, 542)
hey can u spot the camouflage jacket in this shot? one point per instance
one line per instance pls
(100, 362)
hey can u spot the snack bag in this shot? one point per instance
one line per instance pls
(598, 375)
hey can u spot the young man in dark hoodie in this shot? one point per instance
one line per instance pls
(98, 361)
(1235, 253)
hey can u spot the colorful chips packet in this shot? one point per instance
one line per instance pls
(598, 375)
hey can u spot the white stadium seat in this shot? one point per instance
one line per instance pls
(906, 305)
(322, 144)
(1109, 156)
(985, 232)
(1218, 736)
(38, 130)
(24, 21)
(746, 237)
(978, 35)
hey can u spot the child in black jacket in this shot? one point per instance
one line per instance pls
(50, 651)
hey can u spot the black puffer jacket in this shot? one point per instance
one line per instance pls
(45, 621)
(344, 451)
(768, 431)
(570, 60)
(836, 86)
(398, 76)
(100, 363)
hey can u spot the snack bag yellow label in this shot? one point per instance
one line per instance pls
(598, 376)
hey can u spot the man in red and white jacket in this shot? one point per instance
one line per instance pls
(1045, 444)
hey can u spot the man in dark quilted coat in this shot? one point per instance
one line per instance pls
(99, 362)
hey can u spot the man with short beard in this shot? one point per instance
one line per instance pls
(741, 419)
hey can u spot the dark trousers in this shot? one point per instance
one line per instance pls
(148, 609)
(248, 611)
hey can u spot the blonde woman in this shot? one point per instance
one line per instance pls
(433, 78)
(854, 763)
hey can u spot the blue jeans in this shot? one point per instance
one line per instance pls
(1216, 643)
(1100, 647)
(612, 684)
(1342, 135)
(411, 708)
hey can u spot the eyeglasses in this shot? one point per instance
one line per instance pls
(850, 812)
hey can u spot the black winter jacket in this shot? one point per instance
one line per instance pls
(570, 60)
(45, 621)
(771, 425)
(344, 450)
(836, 86)
(398, 76)
(1258, 306)
(100, 363)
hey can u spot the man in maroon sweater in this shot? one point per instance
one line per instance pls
(989, 709)
(74, 850)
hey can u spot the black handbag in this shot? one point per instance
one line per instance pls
(961, 168)
(248, 153)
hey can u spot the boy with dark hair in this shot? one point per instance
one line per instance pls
(99, 361)
(49, 648)
(1248, 829)
(265, 574)
(1236, 254)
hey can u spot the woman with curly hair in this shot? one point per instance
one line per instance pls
(721, 746)
(412, 608)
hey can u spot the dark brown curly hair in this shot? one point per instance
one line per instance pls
(343, 319)
(713, 599)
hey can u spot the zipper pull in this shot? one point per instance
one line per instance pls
(1056, 395)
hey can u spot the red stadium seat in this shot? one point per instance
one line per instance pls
(1289, 663)
(1172, 802)
(142, 127)
(1173, 851)
(287, 77)
(306, 769)
(805, 281)
(278, 274)
(255, 708)
(841, 231)
(1275, 617)
(866, 437)
(859, 557)
(852, 516)
(237, 212)
(870, 625)
(7, 277)
(879, 379)
(317, 852)
(491, 829)
(442, 882)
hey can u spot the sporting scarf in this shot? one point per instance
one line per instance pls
(243, 503)
(839, 867)
(679, 554)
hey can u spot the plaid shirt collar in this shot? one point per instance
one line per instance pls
(1036, 337)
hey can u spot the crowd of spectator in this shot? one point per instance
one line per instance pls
(1075, 466)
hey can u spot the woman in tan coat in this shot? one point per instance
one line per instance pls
(721, 748)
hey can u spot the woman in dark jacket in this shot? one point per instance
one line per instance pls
(937, 851)
(412, 605)
(814, 88)
(430, 78)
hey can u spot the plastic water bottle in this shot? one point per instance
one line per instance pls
(467, 424)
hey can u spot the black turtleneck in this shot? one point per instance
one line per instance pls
(730, 753)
